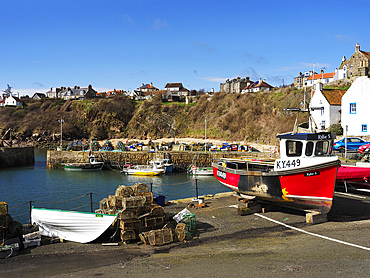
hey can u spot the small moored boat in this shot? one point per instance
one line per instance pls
(201, 171)
(164, 163)
(92, 165)
(144, 170)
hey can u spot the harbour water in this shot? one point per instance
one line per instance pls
(61, 189)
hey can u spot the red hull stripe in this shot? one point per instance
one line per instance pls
(320, 185)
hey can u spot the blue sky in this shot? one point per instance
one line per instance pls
(118, 44)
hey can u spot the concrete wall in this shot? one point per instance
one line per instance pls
(181, 160)
(16, 157)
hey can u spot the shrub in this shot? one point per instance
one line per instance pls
(336, 129)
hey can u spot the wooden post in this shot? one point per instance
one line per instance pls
(196, 187)
(91, 202)
(30, 210)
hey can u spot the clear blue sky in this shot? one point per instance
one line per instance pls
(122, 44)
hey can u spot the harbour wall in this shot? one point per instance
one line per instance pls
(16, 157)
(115, 160)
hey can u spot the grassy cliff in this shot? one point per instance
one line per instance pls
(251, 117)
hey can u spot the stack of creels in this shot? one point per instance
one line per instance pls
(136, 211)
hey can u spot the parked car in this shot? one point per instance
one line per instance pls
(353, 143)
(364, 148)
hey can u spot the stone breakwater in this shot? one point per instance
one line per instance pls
(16, 157)
(181, 160)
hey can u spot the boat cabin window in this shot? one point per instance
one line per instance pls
(322, 148)
(309, 149)
(236, 165)
(293, 148)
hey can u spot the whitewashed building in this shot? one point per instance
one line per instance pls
(258, 86)
(321, 77)
(325, 105)
(355, 108)
(11, 101)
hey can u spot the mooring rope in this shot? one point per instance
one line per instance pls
(64, 200)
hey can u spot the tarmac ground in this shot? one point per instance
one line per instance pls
(226, 245)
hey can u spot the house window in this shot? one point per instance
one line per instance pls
(322, 111)
(364, 128)
(352, 108)
(322, 125)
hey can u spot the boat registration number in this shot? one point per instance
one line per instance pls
(283, 164)
(221, 174)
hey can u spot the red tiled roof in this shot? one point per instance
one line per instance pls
(321, 75)
(367, 54)
(333, 96)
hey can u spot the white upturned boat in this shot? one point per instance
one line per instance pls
(75, 226)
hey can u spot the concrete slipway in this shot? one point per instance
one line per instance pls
(229, 245)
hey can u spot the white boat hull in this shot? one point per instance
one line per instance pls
(74, 226)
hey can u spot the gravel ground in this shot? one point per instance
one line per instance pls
(227, 245)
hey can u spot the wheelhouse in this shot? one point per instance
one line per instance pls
(306, 144)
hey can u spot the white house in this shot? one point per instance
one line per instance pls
(11, 101)
(258, 86)
(355, 108)
(325, 106)
(320, 78)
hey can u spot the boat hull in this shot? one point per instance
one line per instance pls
(354, 176)
(143, 173)
(83, 167)
(168, 168)
(203, 172)
(310, 189)
(74, 226)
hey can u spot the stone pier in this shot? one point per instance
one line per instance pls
(181, 160)
(16, 157)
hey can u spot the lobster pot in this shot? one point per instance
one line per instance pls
(148, 197)
(130, 224)
(144, 237)
(140, 188)
(133, 202)
(155, 210)
(129, 213)
(124, 191)
(116, 201)
(189, 221)
(111, 211)
(110, 200)
(153, 222)
(181, 231)
(3, 208)
(160, 237)
(5, 220)
(104, 204)
(128, 235)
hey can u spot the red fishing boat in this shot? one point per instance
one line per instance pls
(302, 178)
